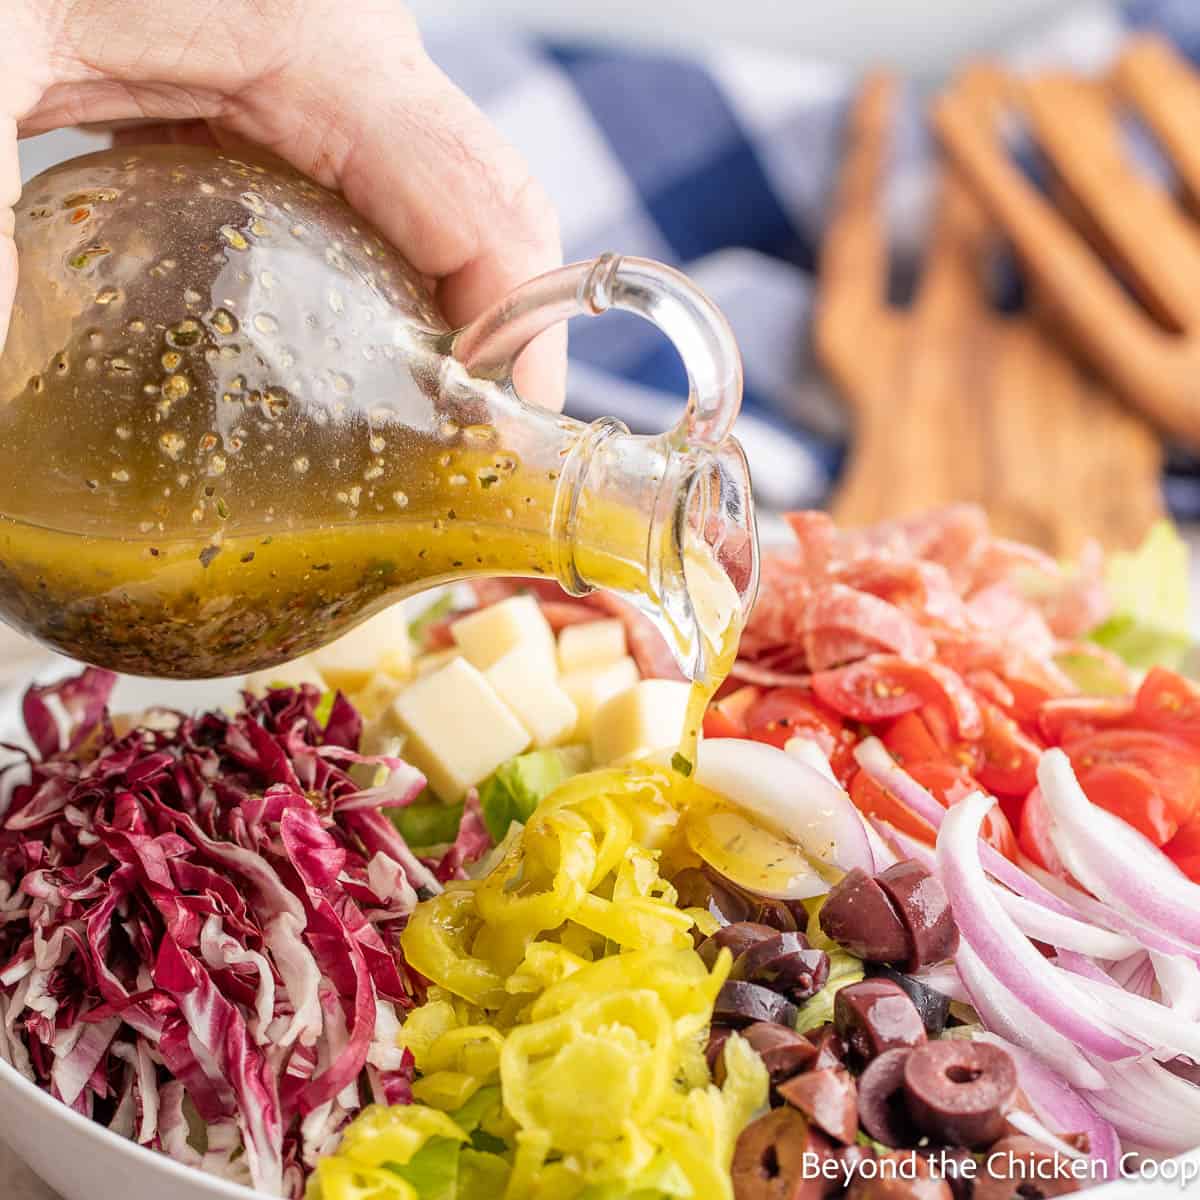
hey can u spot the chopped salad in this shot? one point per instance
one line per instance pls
(441, 913)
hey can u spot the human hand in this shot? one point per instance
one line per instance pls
(345, 93)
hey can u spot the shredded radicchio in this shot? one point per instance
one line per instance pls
(199, 923)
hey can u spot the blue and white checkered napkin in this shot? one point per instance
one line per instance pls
(721, 165)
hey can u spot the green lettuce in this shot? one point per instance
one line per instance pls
(427, 822)
(516, 787)
(1151, 621)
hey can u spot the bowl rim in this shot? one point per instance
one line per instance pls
(221, 1189)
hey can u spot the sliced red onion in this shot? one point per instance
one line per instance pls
(1065, 932)
(1032, 919)
(1160, 1027)
(983, 923)
(1148, 1105)
(1006, 1016)
(1135, 974)
(1112, 859)
(788, 795)
(1179, 979)
(1104, 914)
(1060, 1107)
(1030, 1126)
(944, 977)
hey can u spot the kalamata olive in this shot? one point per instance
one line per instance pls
(957, 1166)
(702, 887)
(831, 1050)
(740, 1003)
(882, 1104)
(786, 963)
(905, 1176)
(737, 937)
(783, 1051)
(769, 1159)
(959, 1092)
(924, 908)
(875, 1015)
(934, 1006)
(853, 1157)
(858, 915)
(828, 1098)
(721, 900)
(714, 1052)
(1018, 1168)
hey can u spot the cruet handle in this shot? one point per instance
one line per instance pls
(490, 345)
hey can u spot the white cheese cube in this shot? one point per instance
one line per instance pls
(289, 675)
(488, 635)
(379, 644)
(591, 687)
(526, 683)
(435, 660)
(457, 730)
(593, 644)
(646, 717)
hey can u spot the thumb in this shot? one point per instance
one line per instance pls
(10, 190)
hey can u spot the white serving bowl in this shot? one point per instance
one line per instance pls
(81, 1160)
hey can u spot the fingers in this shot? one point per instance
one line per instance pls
(1137, 223)
(356, 104)
(416, 157)
(854, 257)
(10, 190)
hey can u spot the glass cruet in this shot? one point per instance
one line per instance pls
(233, 424)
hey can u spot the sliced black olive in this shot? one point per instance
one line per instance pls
(875, 1015)
(901, 1182)
(1018, 1168)
(828, 1098)
(786, 963)
(924, 908)
(702, 887)
(956, 1165)
(959, 1092)
(859, 915)
(737, 937)
(934, 1006)
(783, 1051)
(740, 1003)
(721, 900)
(714, 1052)
(882, 1104)
(769, 1159)
(831, 1050)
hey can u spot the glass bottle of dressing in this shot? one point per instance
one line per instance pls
(233, 424)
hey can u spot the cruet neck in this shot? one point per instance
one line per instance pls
(668, 525)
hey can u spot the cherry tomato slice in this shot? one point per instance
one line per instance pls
(787, 712)
(1033, 836)
(1169, 703)
(1150, 780)
(884, 686)
(1184, 850)
(727, 716)
(1070, 718)
(1009, 758)
(948, 784)
(910, 741)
